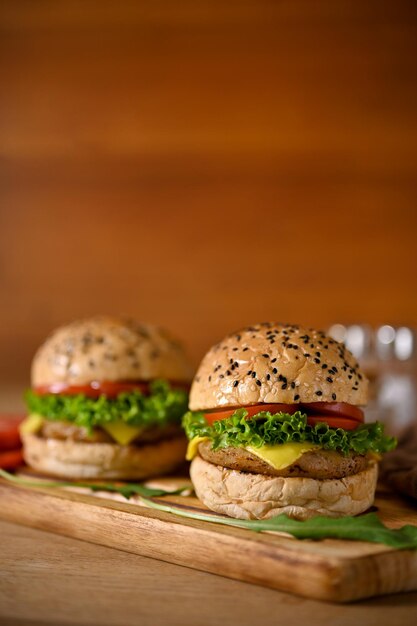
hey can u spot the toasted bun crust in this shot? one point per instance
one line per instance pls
(110, 349)
(258, 496)
(75, 460)
(277, 363)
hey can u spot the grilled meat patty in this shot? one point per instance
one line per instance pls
(320, 464)
(54, 429)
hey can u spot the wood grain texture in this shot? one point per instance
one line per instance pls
(332, 570)
(50, 579)
(205, 164)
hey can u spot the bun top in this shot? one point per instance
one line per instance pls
(277, 363)
(108, 349)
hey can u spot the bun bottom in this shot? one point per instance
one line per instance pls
(81, 460)
(246, 495)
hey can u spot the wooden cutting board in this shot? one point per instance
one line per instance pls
(332, 570)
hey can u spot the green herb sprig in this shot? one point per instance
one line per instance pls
(366, 527)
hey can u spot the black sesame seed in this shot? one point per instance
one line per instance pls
(318, 354)
(284, 386)
(244, 349)
(319, 393)
(333, 396)
(228, 372)
(230, 360)
(275, 371)
(266, 356)
(209, 378)
(329, 379)
(253, 374)
(268, 377)
(324, 366)
(235, 384)
(258, 382)
(306, 354)
(249, 372)
(273, 360)
(296, 397)
(350, 376)
(292, 385)
(236, 364)
(316, 360)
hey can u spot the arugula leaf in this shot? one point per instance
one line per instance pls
(366, 527)
(164, 405)
(266, 428)
(127, 491)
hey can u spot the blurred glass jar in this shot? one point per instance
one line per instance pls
(388, 356)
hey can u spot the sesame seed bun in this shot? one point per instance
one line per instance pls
(77, 460)
(247, 495)
(108, 349)
(277, 363)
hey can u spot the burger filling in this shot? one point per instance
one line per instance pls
(317, 442)
(125, 413)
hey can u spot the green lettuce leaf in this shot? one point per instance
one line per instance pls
(272, 429)
(164, 405)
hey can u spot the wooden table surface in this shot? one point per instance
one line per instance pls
(49, 579)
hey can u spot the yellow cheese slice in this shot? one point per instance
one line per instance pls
(31, 424)
(192, 448)
(278, 457)
(121, 432)
(282, 455)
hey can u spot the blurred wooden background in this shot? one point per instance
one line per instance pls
(204, 164)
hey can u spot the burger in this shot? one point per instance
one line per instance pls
(276, 426)
(106, 401)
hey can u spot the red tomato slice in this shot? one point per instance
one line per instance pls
(335, 408)
(9, 432)
(252, 409)
(95, 389)
(11, 459)
(325, 411)
(333, 422)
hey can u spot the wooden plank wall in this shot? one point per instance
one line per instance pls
(204, 164)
